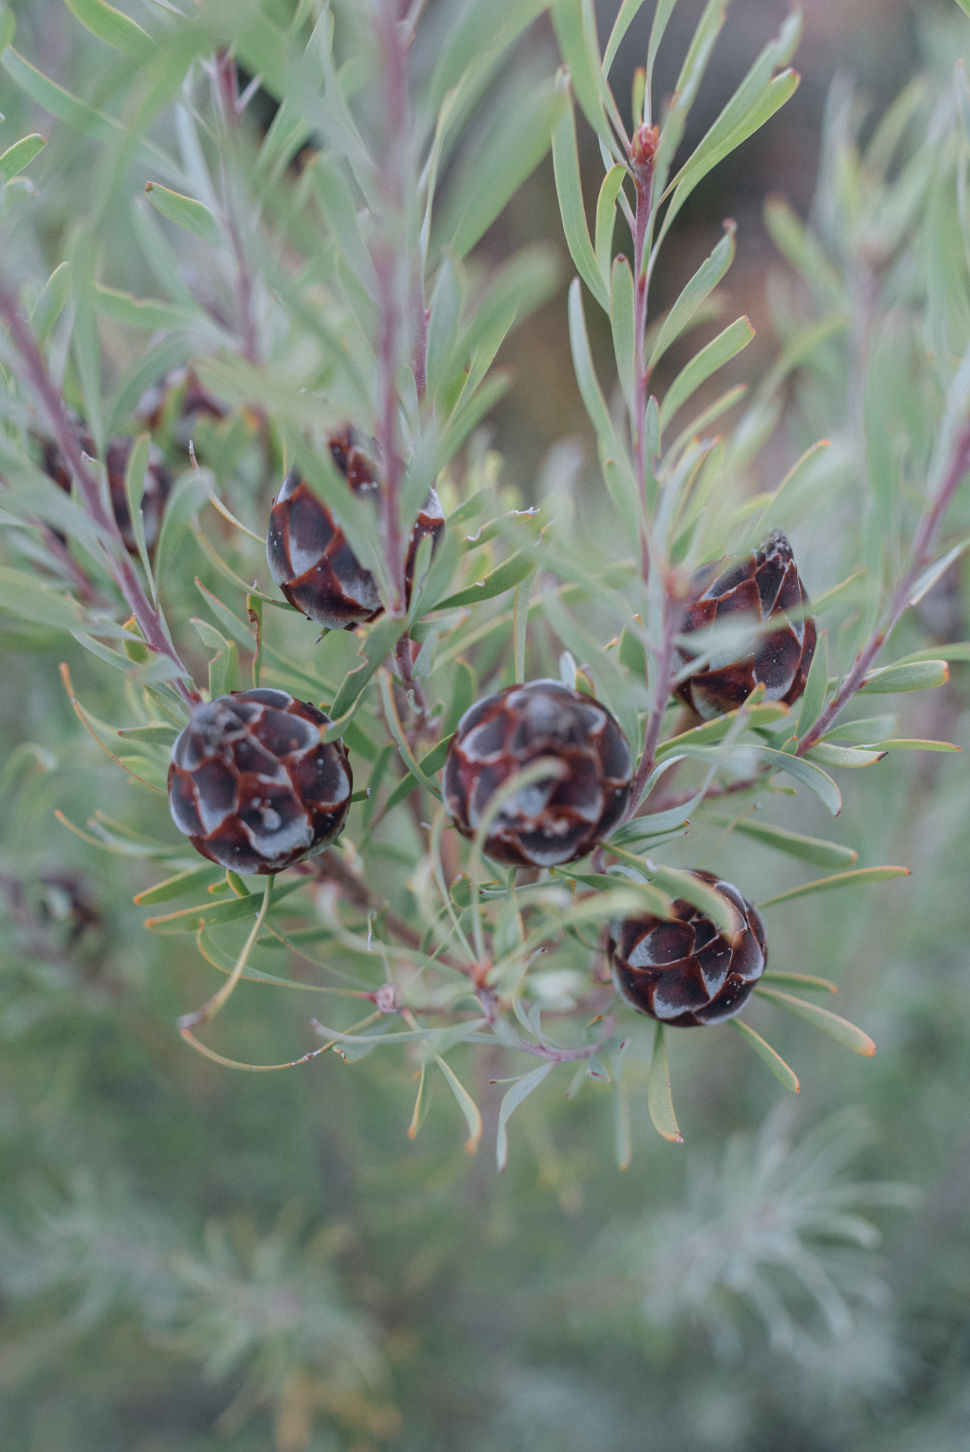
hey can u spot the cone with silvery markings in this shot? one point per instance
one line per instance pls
(559, 817)
(253, 786)
(307, 551)
(686, 971)
(763, 596)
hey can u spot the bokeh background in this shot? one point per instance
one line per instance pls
(192, 1259)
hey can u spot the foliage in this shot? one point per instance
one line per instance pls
(317, 263)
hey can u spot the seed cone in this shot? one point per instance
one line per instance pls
(252, 785)
(765, 590)
(686, 971)
(560, 817)
(157, 487)
(308, 554)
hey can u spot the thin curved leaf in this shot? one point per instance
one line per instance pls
(660, 1103)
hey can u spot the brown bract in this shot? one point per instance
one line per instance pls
(308, 554)
(686, 971)
(763, 591)
(252, 785)
(557, 818)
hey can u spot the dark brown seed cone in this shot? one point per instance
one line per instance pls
(765, 589)
(557, 818)
(158, 482)
(158, 486)
(308, 554)
(251, 784)
(685, 971)
(181, 397)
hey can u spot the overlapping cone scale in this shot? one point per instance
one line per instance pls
(763, 590)
(253, 786)
(685, 971)
(307, 550)
(557, 818)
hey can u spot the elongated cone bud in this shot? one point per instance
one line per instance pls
(557, 818)
(763, 592)
(685, 970)
(308, 554)
(253, 786)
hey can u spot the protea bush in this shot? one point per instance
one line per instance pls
(446, 768)
(509, 694)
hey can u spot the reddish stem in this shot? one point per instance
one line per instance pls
(394, 159)
(150, 621)
(922, 548)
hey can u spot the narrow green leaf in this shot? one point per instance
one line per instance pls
(466, 1104)
(626, 15)
(49, 305)
(134, 493)
(160, 734)
(930, 575)
(840, 1029)
(185, 212)
(565, 161)
(864, 731)
(661, 17)
(479, 29)
(650, 899)
(680, 884)
(839, 879)
(805, 772)
(447, 299)
(697, 290)
(111, 26)
(177, 886)
(758, 96)
(691, 73)
(921, 675)
(957, 650)
(815, 686)
(183, 504)
(213, 913)
(660, 1101)
(759, 713)
(16, 157)
(782, 1071)
(830, 754)
(621, 486)
(580, 51)
(806, 981)
(592, 395)
(917, 744)
(517, 143)
(401, 741)
(504, 577)
(144, 312)
(511, 1100)
(381, 637)
(77, 114)
(807, 849)
(800, 247)
(621, 323)
(27, 598)
(606, 218)
(703, 365)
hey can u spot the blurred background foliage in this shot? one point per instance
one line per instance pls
(191, 1259)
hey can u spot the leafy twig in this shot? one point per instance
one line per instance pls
(150, 621)
(922, 548)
